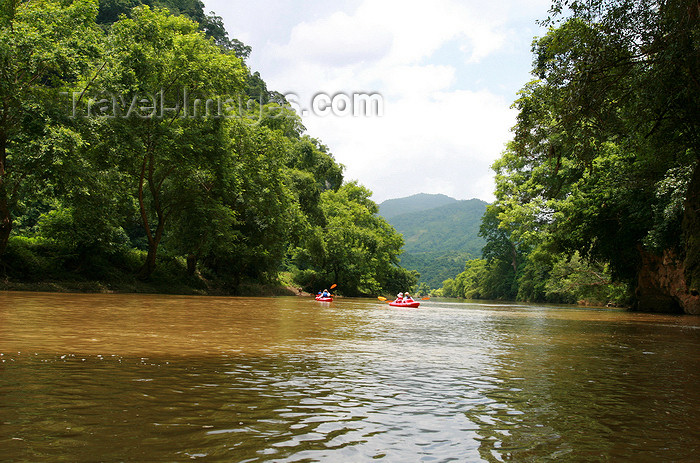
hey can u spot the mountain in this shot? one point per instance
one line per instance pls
(440, 233)
(416, 203)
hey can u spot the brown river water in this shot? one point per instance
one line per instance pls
(143, 378)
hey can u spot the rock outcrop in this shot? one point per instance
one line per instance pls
(662, 286)
(691, 233)
(671, 282)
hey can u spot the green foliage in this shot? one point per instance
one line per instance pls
(311, 156)
(467, 284)
(45, 46)
(28, 259)
(141, 175)
(421, 290)
(435, 267)
(263, 203)
(668, 208)
(80, 230)
(163, 58)
(440, 233)
(111, 10)
(574, 280)
(602, 163)
(356, 249)
(546, 277)
(630, 80)
(453, 227)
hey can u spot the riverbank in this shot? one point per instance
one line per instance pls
(39, 266)
(139, 287)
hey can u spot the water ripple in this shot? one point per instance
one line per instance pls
(290, 382)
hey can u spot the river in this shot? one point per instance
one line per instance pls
(148, 378)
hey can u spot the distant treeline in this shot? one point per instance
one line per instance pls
(598, 193)
(137, 146)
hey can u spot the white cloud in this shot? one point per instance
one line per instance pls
(337, 40)
(440, 132)
(412, 81)
(451, 136)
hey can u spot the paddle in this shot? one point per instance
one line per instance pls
(332, 286)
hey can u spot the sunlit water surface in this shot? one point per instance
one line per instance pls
(157, 378)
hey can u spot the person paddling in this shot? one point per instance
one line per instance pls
(407, 298)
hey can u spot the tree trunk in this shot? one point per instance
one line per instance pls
(191, 264)
(5, 221)
(150, 264)
(5, 215)
(153, 242)
(153, 238)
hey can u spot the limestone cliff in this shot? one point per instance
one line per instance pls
(671, 282)
(662, 285)
(691, 233)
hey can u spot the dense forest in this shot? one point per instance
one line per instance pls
(598, 193)
(139, 152)
(440, 234)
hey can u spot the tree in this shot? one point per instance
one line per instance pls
(44, 47)
(212, 25)
(264, 203)
(356, 249)
(469, 283)
(238, 212)
(610, 123)
(160, 93)
(504, 255)
(572, 279)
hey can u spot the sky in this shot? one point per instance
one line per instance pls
(445, 74)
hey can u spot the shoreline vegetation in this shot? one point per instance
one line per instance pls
(170, 277)
(152, 201)
(140, 287)
(96, 287)
(597, 194)
(250, 290)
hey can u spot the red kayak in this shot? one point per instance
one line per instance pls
(413, 304)
(324, 299)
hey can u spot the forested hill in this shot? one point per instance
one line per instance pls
(438, 240)
(416, 203)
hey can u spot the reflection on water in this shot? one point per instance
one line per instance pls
(155, 378)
